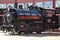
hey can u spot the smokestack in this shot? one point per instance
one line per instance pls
(15, 4)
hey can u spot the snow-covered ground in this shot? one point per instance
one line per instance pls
(43, 36)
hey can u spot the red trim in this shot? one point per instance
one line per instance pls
(30, 17)
(57, 14)
(1, 14)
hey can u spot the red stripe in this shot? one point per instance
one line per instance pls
(57, 14)
(30, 17)
(1, 14)
(22, 1)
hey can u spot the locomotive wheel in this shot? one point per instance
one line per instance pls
(12, 31)
(31, 32)
(18, 32)
(38, 32)
(26, 32)
(5, 30)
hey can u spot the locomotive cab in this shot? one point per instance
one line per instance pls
(50, 18)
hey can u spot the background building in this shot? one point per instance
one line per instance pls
(39, 3)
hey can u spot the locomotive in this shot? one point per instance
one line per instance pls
(35, 19)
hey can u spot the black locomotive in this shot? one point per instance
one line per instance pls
(35, 19)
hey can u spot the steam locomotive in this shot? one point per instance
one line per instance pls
(35, 19)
